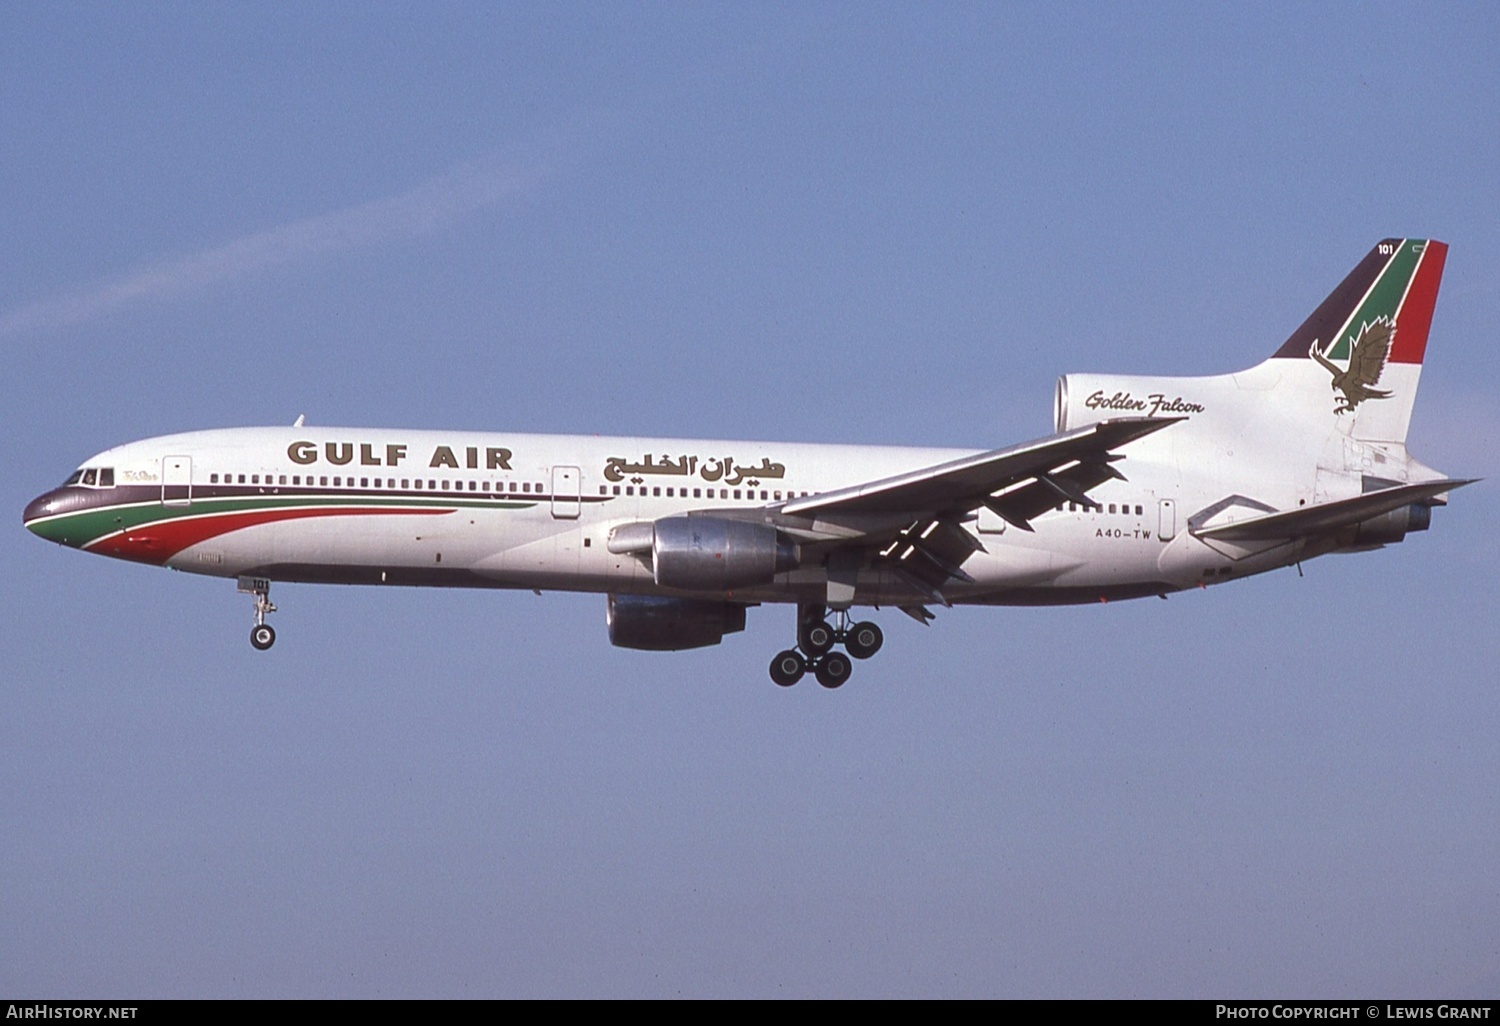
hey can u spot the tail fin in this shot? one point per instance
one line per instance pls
(1370, 335)
(1351, 369)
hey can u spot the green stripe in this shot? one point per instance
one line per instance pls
(88, 526)
(1383, 299)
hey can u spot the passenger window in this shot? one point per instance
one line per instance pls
(617, 489)
(656, 492)
(213, 478)
(242, 479)
(323, 481)
(630, 489)
(697, 493)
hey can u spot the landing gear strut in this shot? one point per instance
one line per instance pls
(816, 639)
(262, 635)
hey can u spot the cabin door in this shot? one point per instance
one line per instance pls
(565, 494)
(176, 480)
(1166, 525)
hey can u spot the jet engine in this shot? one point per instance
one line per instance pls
(1389, 528)
(698, 553)
(658, 623)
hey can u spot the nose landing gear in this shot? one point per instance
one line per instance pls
(262, 635)
(816, 639)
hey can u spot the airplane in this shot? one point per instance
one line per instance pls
(1148, 486)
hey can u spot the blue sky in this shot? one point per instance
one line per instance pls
(872, 223)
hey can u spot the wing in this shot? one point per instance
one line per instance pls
(913, 522)
(1010, 481)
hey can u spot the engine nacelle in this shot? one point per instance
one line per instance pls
(703, 553)
(1389, 528)
(658, 623)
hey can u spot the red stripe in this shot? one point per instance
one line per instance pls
(1415, 316)
(156, 543)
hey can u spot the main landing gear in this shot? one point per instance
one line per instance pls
(816, 639)
(262, 635)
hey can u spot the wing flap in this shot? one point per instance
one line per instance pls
(1025, 502)
(932, 553)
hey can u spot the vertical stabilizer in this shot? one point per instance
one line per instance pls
(1369, 337)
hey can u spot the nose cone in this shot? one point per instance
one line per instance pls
(41, 506)
(42, 514)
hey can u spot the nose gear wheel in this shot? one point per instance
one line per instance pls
(262, 635)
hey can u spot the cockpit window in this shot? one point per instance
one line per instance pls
(92, 477)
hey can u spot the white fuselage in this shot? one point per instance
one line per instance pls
(538, 511)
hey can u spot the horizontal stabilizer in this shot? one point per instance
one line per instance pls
(1328, 516)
